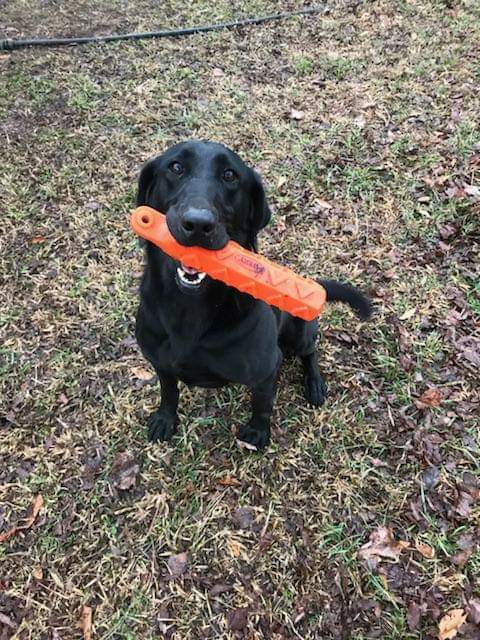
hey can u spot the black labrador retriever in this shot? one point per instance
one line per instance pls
(198, 330)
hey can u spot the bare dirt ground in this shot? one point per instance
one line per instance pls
(364, 123)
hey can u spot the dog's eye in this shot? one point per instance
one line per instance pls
(177, 168)
(229, 175)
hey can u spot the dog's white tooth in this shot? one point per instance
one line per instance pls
(187, 278)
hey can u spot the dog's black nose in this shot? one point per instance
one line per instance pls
(198, 222)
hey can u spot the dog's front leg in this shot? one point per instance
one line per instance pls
(163, 422)
(256, 432)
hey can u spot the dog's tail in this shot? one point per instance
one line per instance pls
(339, 292)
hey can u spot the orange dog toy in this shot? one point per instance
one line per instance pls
(237, 267)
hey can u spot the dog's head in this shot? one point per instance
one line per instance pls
(209, 196)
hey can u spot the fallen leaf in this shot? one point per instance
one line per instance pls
(472, 190)
(297, 115)
(64, 523)
(237, 619)
(281, 224)
(234, 548)
(124, 470)
(455, 192)
(322, 204)
(467, 545)
(450, 624)
(85, 623)
(415, 509)
(129, 342)
(27, 522)
(142, 374)
(425, 550)
(62, 398)
(299, 616)
(228, 481)
(408, 314)
(475, 157)
(37, 239)
(203, 103)
(473, 611)
(360, 121)
(243, 517)
(55, 576)
(163, 618)
(379, 463)
(471, 483)
(219, 588)
(431, 397)
(461, 557)
(453, 318)
(437, 181)
(430, 477)
(472, 354)
(177, 565)
(443, 247)
(446, 231)
(264, 543)
(8, 622)
(414, 614)
(246, 445)
(382, 544)
(92, 468)
(464, 504)
(37, 573)
(467, 541)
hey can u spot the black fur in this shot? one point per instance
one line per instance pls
(339, 292)
(209, 334)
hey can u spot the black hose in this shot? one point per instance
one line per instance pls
(10, 45)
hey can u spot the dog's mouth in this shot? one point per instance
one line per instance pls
(189, 279)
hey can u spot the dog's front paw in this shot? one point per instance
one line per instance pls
(252, 436)
(315, 390)
(161, 426)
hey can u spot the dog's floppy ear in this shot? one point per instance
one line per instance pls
(146, 181)
(260, 211)
(146, 184)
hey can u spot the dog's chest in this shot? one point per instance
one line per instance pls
(214, 355)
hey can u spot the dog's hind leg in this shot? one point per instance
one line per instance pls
(315, 388)
(302, 336)
(163, 422)
(256, 432)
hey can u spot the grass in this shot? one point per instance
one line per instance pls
(361, 189)
(473, 297)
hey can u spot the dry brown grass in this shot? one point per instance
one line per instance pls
(368, 186)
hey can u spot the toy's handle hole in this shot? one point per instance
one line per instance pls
(146, 220)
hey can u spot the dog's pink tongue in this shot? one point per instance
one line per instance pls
(189, 270)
